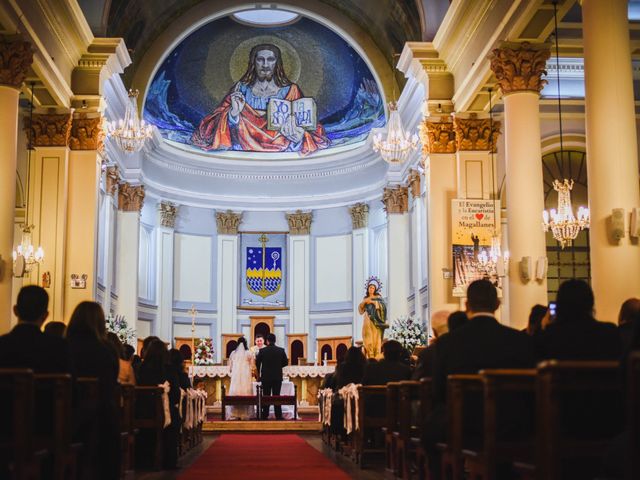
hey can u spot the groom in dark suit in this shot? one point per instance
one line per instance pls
(269, 363)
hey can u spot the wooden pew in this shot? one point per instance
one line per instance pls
(578, 411)
(426, 404)
(53, 424)
(239, 400)
(508, 430)
(391, 426)
(126, 409)
(459, 388)
(149, 420)
(280, 400)
(368, 422)
(86, 422)
(16, 420)
(633, 414)
(408, 403)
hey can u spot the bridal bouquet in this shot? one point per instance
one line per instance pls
(204, 352)
(409, 332)
(118, 325)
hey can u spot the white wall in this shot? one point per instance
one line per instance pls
(192, 268)
(333, 269)
(184, 330)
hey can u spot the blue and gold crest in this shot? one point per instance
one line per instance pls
(263, 268)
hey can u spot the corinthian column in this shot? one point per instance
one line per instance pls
(396, 203)
(519, 70)
(85, 160)
(15, 60)
(167, 213)
(110, 206)
(360, 254)
(612, 158)
(130, 200)
(299, 270)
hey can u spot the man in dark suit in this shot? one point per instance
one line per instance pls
(26, 346)
(269, 363)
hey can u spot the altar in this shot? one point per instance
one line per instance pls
(307, 379)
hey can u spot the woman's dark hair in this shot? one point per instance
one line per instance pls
(574, 301)
(129, 351)
(456, 320)
(243, 341)
(351, 370)
(87, 319)
(57, 329)
(535, 318)
(145, 344)
(156, 355)
(116, 345)
(392, 350)
(176, 359)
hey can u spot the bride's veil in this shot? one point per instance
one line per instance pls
(240, 370)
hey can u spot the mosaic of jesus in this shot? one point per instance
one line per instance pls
(297, 88)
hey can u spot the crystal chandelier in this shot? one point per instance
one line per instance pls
(25, 255)
(130, 133)
(397, 145)
(562, 222)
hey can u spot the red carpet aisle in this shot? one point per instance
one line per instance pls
(263, 457)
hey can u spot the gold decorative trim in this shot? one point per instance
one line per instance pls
(49, 130)
(438, 137)
(414, 183)
(15, 60)
(396, 199)
(86, 133)
(359, 215)
(299, 222)
(228, 222)
(130, 198)
(520, 69)
(475, 134)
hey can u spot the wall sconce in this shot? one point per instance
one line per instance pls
(447, 273)
(525, 267)
(634, 225)
(617, 223)
(541, 268)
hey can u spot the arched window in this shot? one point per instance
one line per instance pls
(572, 261)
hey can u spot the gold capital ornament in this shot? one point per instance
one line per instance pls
(520, 68)
(396, 199)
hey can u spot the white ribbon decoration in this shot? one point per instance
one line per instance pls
(165, 403)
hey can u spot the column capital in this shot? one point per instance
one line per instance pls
(168, 214)
(228, 222)
(299, 222)
(396, 199)
(414, 183)
(359, 215)
(48, 130)
(86, 133)
(112, 177)
(519, 67)
(438, 136)
(475, 134)
(130, 197)
(16, 58)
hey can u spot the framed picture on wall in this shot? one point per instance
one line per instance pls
(263, 279)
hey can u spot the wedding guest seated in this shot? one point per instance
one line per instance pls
(26, 346)
(482, 343)
(176, 361)
(125, 370)
(575, 334)
(389, 369)
(535, 319)
(155, 370)
(93, 357)
(198, 384)
(629, 309)
(441, 323)
(57, 329)
(351, 370)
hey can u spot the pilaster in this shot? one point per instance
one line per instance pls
(167, 213)
(360, 261)
(299, 269)
(395, 201)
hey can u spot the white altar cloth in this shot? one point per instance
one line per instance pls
(293, 371)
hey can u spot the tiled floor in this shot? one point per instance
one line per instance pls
(314, 440)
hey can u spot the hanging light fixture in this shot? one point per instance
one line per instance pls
(397, 145)
(25, 255)
(562, 223)
(130, 133)
(494, 262)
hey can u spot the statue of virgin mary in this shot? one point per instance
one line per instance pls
(374, 312)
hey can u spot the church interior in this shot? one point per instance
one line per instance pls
(409, 229)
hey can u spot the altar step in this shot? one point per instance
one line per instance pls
(216, 426)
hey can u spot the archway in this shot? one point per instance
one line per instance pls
(296, 351)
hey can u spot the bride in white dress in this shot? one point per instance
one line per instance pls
(241, 363)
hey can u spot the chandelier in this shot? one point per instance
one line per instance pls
(397, 145)
(130, 133)
(562, 223)
(25, 255)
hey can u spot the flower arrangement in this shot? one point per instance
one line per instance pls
(118, 325)
(409, 332)
(204, 352)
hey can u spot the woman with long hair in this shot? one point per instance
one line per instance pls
(125, 370)
(93, 357)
